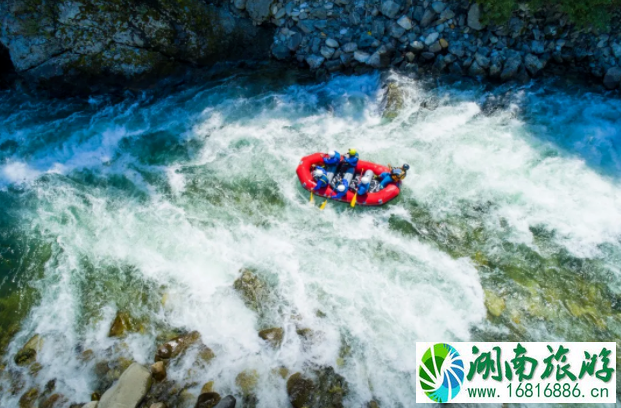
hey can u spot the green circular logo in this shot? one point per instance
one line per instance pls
(441, 373)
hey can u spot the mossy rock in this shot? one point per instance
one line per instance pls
(28, 353)
(393, 101)
(53, 401)
(300, 390)
(29, 398)
(208, 400)
(273, 336)
(247, 381)
(121, 325)
(252, 289)
(207, 387)
(495, 304)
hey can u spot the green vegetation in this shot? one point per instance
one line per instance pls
(581, 12)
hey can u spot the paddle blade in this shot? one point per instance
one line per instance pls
(353, 200)
(323, 205)
(312, 199)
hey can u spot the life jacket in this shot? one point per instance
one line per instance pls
(397, 174)
(363, 188)
(332, 160)
(352, 160)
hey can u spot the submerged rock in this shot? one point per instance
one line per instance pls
(393, 101)
(177, 346)
(326, 391)
(227, 402)
(273, 336)
(208, 400)
(121, 325)
(28, 353)
(158, 371)
(28, 400)
(495, 304)
(254, 292)
(129, 390)
(247, 381)
(612, 79)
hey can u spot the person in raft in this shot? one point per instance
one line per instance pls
(364, 185)
(333, 158)
(341, 190)
(351, 158)
(395, 175)
(321, 177)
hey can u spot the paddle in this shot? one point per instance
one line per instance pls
(323, 205)
(353, 200)
(312, 200)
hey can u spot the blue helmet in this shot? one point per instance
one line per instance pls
(406, 166)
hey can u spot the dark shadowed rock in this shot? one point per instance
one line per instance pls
(227, 402)
(474, 17)
(299, 390)
(28, 353)
(207, 400)
(273, 336)
(612, 80)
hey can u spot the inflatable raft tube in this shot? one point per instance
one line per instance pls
(370, 199)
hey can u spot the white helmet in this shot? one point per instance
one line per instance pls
(366, 180)
(341, 188)
(331, 153)
(317, 173)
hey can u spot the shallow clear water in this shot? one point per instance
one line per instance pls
(153, 204)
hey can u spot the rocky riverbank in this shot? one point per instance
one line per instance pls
(86, 46)
(119, 381)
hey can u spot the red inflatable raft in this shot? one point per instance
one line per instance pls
(371, 199)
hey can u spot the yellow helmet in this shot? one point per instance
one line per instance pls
(352, 152)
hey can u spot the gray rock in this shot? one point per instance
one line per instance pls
(294, 41)
(350, 47)
(428, 55)
(417, 46)
(447, 15)
(390, 8)
(239, 4)
(361, 56)
(431, 38)
(396, 31)
(327, 52)
(438, 6)
(259, 10)
(378, 28)
(347, 58)
(536, 47)
(474, 17)
(476, 70)
(511, 67)
(306, 26)
(436, 47)
(405, 22)
(439, 64)
(333, 65)
(532, 64)
(418, 13)
(129, 390)
(354, 18)
(314, 61)
(92, 404)
(457, 50)
(456, 69)
(227, 402)
(427, 18)
(380, 58)
(616, 50)
(410, 56)
(482, 60)
(331, 42)
(281, 51)
(612, 79)
(365, 40)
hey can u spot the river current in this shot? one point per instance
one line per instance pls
(507, 228)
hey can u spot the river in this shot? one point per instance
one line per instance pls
(507, 228)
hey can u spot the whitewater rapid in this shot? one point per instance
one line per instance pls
(153, 205)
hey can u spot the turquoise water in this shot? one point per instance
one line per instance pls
(507, 227)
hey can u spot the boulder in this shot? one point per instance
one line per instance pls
(252, 289)
(495, 304)
(431, 38)
(239, 4)
(299, 390)
(438, 6)
(612, 79)
(93, 404)
(532, 64)
(428, 17)
(28, 353)
(474, 17)
(350, 47)
(476, 70)
(129, 390)
(393, 101)
(227, 402)
(208, 400)
(511, 67)
(405, 22)
(417, 46)
(390, 8)
(258, 10)
(177, 346)
(436, 47)
(29, 399)
(281, 51)
(158, 405)
(362, 56)
(247, 381)
(327, 52)
(380, 58)
(273, 336)
(314, 61)
(332, 43)
(158, 371)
